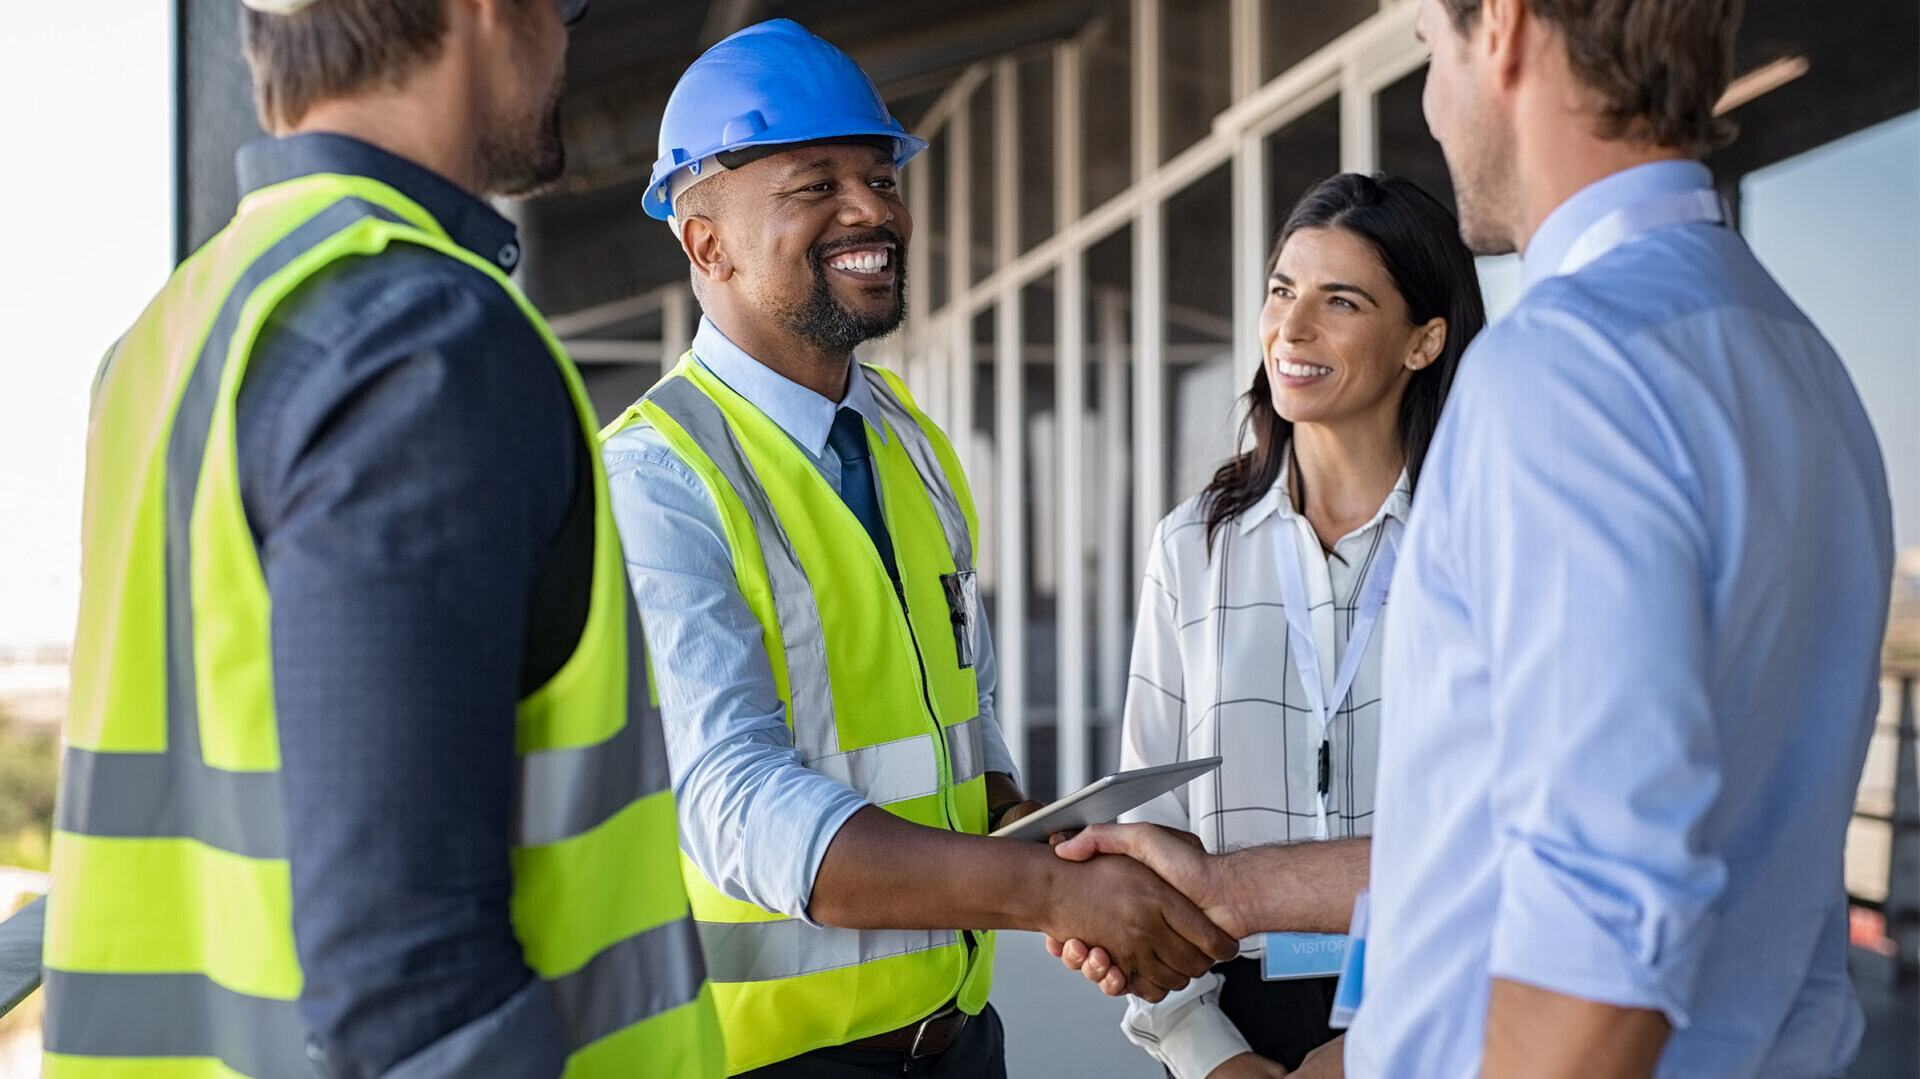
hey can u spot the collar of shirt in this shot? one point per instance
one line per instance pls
(469, 221)
(1275, 501)
(804, 415)
(1564, 226)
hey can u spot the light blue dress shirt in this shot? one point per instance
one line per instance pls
(754, 819)
(1633, 662)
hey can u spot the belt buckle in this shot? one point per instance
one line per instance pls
(920, 1032)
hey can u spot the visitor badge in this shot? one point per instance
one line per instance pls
(1303, 955)
(1346, 994)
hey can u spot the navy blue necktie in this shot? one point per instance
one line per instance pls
(849, 441)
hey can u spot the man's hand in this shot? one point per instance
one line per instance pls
(1153, 939)
(1020, 809)
(1327, 1062)
(1176, 856)
(1248, 1066)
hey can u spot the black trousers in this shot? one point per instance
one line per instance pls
(980, 1052)
(1282, 1021)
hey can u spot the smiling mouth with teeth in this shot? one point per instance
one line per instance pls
(869, 261)
(1302, 370)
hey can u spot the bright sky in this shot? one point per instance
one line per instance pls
(86, 115)
(85, 180)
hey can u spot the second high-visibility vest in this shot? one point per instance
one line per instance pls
(169, 948)
(879, 689)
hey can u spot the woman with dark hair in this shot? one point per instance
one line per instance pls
(1256, 639)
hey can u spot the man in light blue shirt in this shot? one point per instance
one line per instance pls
(784, 194)
(730, 733)
(1633, 661)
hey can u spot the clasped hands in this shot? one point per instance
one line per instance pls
(1177, 877)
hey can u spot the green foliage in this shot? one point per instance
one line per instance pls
(29, 761)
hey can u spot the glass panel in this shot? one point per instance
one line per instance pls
(1200, 390)
(985, 202)
(1040, 474)
(982, 469)
(1107, 107)
(1106, 496)
(1300, 155)
(1406, 148)
(1195, 71)
(933, 234)
(1292, 30)
(1036, 149)
(1837, 226)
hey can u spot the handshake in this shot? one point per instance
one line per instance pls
(1141, 909)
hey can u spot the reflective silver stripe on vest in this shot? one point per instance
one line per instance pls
(635, 979)
(176, 793)
(801, 635)
(156, 795)
(953, 521)
(967, 749)
(190, 1015)
(565, 792)
(174, 1015)
(905, 768)
(885, 773)
(789, 948)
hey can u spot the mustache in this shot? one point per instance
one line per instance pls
(879, 234)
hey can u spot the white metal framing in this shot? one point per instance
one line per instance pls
(1009, 422)
(1133, 447)
(937, 351)
(1070, 395)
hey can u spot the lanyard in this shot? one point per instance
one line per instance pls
(1616, 228)
(1373, 597)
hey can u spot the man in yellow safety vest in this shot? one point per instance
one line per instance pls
(362, 777)
(801, 540)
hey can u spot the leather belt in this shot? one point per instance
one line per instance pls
(929, 1037)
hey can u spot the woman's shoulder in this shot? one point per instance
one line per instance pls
(1185, 526)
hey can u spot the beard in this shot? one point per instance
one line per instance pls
(1482, 172)
(529, 156)
(824, 322)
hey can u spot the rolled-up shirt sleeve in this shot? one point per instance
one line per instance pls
(1608, 762)
(755, 820)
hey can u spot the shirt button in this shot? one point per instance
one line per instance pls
(509, 254)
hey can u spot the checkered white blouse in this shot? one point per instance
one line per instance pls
(1213, 674)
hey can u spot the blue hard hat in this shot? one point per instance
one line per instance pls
(771, 84)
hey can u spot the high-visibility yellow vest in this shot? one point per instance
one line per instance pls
(879, 689)
(169, 945)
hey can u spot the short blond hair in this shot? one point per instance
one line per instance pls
(336, 47)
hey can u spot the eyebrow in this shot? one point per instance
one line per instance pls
(1331, 286)
(822, 165)
(826, 164)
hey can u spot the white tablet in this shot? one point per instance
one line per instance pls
(1106, 798)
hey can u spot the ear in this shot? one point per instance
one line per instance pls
(487, 13)
(1427, 343)
(1501, 34)
(705, 250)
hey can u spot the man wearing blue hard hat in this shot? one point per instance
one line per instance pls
(801, 540)
(361, 777)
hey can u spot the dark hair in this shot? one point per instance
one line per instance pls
(336, 47)
(1418, 241)
(1659, 66)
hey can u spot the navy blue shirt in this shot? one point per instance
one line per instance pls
(416, 479)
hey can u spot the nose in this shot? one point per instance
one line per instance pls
(865, 207)
(1296, 322)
